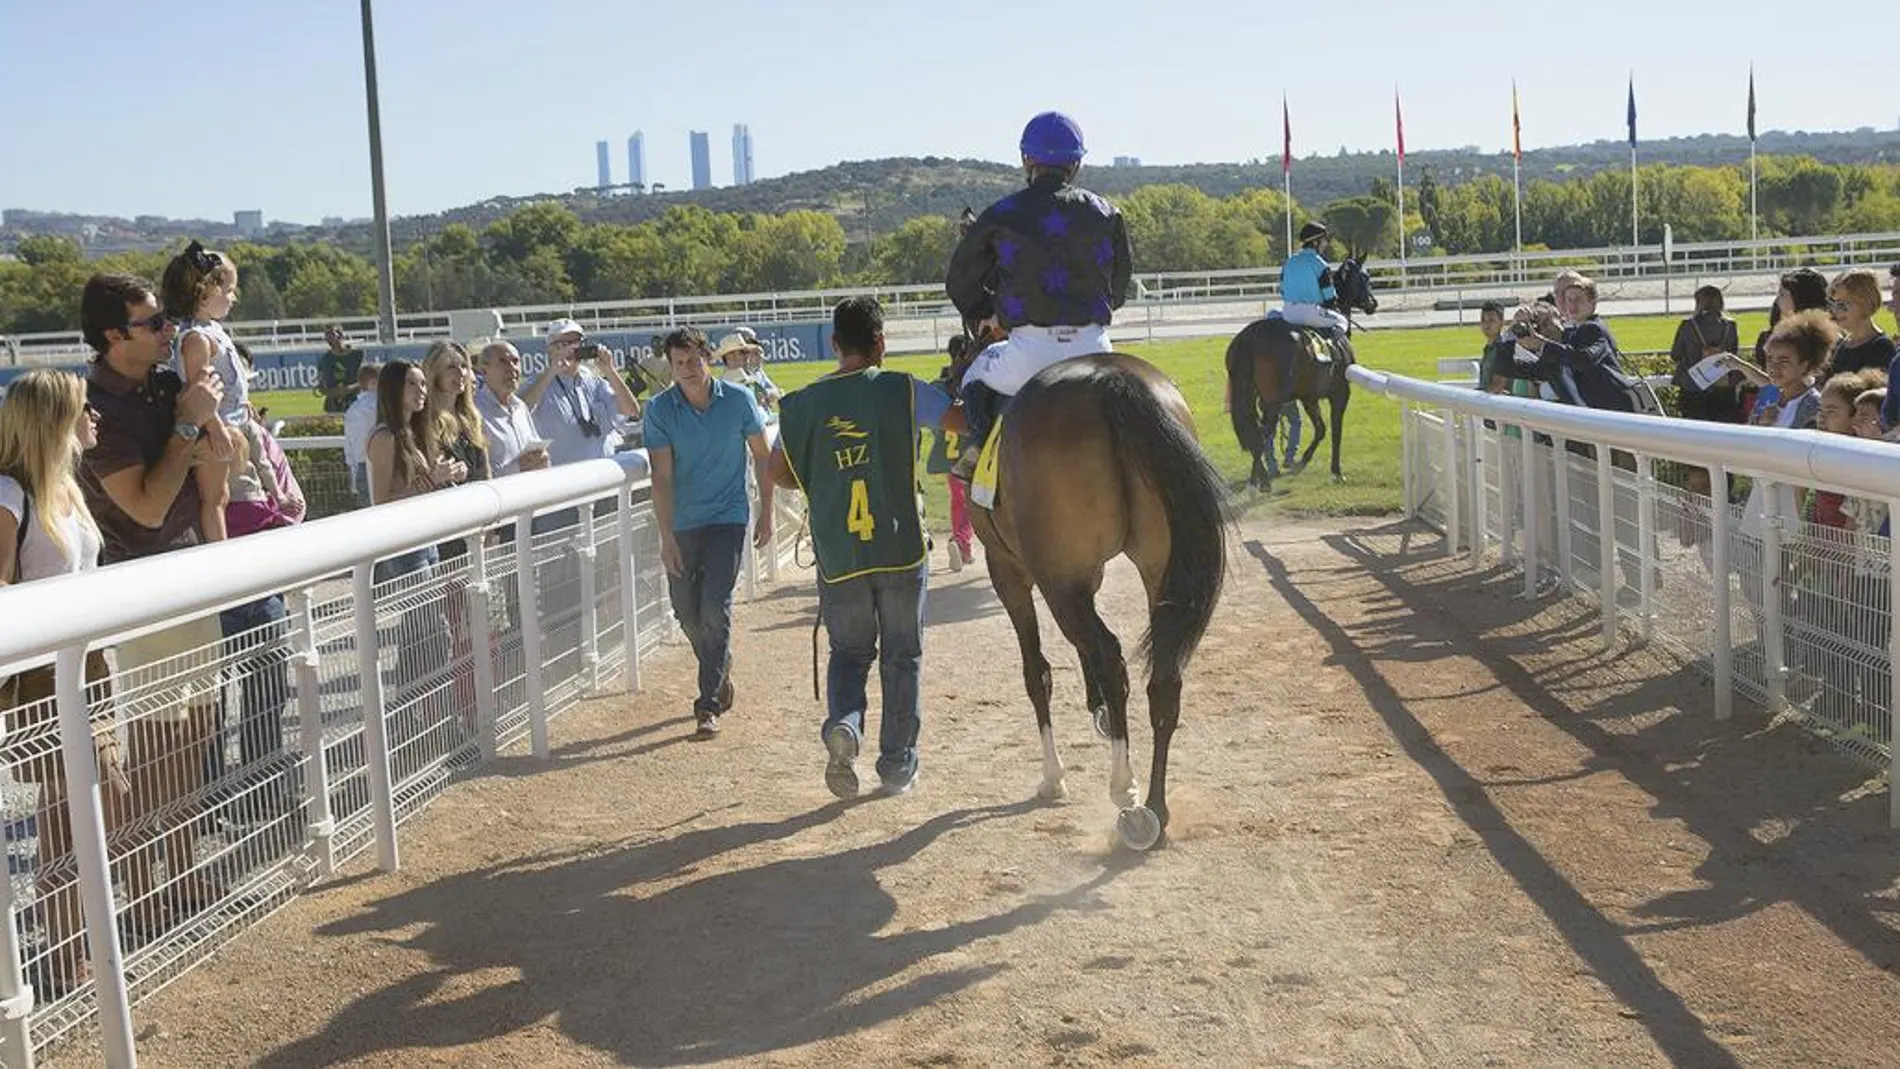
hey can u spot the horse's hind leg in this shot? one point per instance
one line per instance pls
(1014, 589)
(1106, 672)
(1311, 405)
(1342, 396)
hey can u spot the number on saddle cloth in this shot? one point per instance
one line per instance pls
(983, 482)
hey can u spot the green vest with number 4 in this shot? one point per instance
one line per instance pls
(850, 440)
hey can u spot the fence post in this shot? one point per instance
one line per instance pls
(16, 997)
(1474, 455)
(1606, 541)
(629, 588)
(481, 646)
(748, 557)
(316, 780)
(1722, 642)
(531, 634)
(1406, 444)
(1509, 482)
(1527, 453)
(1774, 629)
(1560, 466)
(1453, 495)
(1893, 666)
(369, 674)
(584, 558)
(1646, 540)
(89, 847)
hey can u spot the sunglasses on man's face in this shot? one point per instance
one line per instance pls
(154, 322)
(1838, 307)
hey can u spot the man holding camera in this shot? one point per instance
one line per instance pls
(575, 401)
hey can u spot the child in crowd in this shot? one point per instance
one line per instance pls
(198, 290)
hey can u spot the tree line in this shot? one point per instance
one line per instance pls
(543, 254)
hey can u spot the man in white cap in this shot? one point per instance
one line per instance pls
(576, 406)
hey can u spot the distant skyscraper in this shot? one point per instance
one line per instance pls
(637, 160)
(606, 165)
(250, 224)
(702, 159)
(1128, 161)
(741, 154)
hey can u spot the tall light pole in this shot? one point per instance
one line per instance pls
(385, 254)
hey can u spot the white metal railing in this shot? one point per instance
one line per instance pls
(1478, 275)
(1791, 614)
(282, 703)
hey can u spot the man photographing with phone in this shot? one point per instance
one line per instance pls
(579, 400)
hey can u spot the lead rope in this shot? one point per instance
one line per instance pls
(817, 623)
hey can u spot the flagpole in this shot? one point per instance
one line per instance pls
(1399, 117)
(1286, 168)
(1634, 241)
(1754, 217)
(1517, 175)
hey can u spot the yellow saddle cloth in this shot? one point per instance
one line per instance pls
(983, 482)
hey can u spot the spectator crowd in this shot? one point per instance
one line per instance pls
(1823, 364)
(158, 448)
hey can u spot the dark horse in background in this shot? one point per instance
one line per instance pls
(1097, 459)
(1269, 364)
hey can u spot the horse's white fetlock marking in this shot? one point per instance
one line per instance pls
(1122, 789)
(1052, 784)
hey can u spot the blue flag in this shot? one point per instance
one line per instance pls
(1632, 112)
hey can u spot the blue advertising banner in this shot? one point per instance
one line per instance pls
(296, 369)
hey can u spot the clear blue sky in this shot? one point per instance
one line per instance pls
(227, 104)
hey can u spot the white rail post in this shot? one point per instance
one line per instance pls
(1560, 465)
(1646, 540)
(1527, 453)
(1406, 445)
(584, 558)
(1474, 457)
(16, 996)
(748, 557)
(481, 643)
(1606, 541)
(1774, 629)
(369, 674)
(316, 778)
(1893, 668)
(87, 813)
(1451, 491)
(531, 634)
(1508, 490)
(629, 588)
(1722, 642)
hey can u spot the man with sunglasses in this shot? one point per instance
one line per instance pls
(137, 478)
(137, 483)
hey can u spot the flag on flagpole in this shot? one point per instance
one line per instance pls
(1399, 117)
(1751, 103)
(1286, 139)
(1517, 126)
(1632, 115)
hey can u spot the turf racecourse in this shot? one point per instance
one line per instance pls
(1371, 457)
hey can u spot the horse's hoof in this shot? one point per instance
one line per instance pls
(1052, 790)
(1338, 479)
(1101, 720)
(1139, 828)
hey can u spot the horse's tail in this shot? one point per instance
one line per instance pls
(1151, 442)
(1243, 404)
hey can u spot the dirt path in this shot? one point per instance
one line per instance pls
(1395, 844)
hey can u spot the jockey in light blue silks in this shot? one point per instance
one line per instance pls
(1306, 286)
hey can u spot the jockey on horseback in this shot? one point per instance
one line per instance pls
(1306, 286)
(1055, 260)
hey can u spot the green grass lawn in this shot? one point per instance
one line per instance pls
(1371, 453)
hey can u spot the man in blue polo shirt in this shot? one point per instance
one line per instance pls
(698, 432)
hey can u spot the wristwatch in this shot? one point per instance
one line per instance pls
(188, 431)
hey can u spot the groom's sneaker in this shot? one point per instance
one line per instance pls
(841, 746)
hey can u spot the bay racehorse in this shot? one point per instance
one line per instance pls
(1097, 458)
(1269, 364)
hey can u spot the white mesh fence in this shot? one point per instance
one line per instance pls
(235, 764)
(1808, 626)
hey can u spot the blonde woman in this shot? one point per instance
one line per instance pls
(1853, 301)
(453, 418)
(46, 531)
